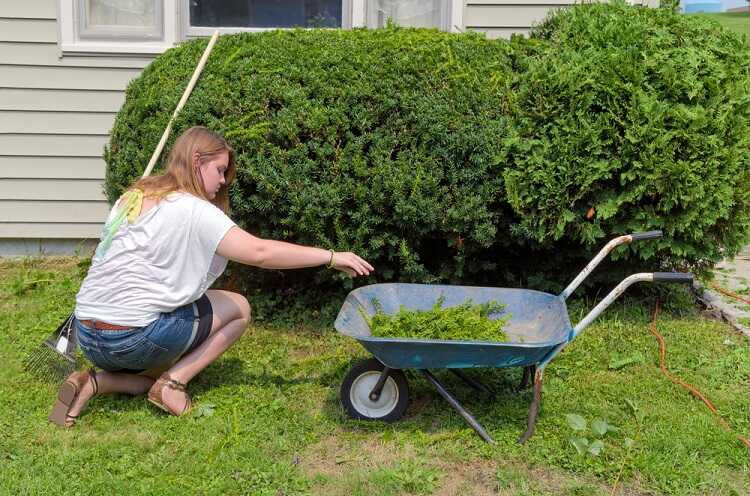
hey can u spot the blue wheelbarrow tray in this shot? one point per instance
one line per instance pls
(539, 322)
(538, 330)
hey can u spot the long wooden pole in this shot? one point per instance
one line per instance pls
(181, 103)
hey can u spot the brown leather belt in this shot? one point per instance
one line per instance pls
(103, 326)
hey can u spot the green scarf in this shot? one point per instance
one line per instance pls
(131, 203)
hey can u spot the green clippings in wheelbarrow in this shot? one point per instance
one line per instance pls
(465, 321)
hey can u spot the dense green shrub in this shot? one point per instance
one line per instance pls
(641, 114)
(382, 142)
(445, 157)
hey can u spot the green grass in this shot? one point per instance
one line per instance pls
(268, 419)
(737, 21)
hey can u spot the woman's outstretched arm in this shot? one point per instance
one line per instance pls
(243, 247)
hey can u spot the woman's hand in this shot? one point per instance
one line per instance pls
(352, 264)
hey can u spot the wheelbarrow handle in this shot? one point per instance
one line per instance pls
(680, 277)
(620, 240)
(683, 277)
(646, 235)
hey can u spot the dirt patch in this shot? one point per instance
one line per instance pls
(333, 457)
(336, 457)
(476, 478)
(47, 263)
(302, 354)
(554, 481)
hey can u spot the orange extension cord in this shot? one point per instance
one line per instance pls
(729, 293)
(694, 391)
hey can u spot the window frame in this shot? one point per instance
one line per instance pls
(353, 15)
(453, 12)
(175, 18)
(70, 23)
(455, 15)
(189, 31)
(125, 33)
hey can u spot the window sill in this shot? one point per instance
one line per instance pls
(125, 48)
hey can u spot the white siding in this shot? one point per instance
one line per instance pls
(53, 211)
(60, 100)
(27, 30)
(46, 230)
(55, 116)
(65, 78)
(47, 54)
(40, 122)
(501, 18)
(29, 10)
(52, 145)
(51, 189)
(35, 167)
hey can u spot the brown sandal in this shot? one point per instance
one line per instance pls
(68, 394)
(155, 394)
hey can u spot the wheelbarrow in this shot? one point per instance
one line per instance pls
(538, 330)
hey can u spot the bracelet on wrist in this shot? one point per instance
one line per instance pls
(330, 262)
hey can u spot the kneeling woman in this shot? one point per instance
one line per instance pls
(145, 304)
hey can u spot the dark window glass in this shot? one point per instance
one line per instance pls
(266, 13)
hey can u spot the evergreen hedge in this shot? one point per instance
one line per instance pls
(641, 114)
(453, 158)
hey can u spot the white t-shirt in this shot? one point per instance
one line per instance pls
(165, 260)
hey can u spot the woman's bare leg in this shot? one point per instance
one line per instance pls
(231, 315)
(110, 382)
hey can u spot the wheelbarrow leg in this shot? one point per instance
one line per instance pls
(375, 393)
(457, 406)
(472, 382)
(534, 408)
(528, 373)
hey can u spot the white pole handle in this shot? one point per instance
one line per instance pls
(185, 95)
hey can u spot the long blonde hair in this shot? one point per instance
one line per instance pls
(182, 175)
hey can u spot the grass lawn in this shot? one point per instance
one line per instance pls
(737, 21)
(268, 421)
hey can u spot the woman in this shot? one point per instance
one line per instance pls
(145, 304)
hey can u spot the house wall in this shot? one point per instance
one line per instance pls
(501, 18)
(56, 113)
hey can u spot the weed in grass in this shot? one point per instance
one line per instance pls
(621, 360)
(513, 479)
(410, 476)
(599, 428)
(583, 490)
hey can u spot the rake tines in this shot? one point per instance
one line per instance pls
(54, 359)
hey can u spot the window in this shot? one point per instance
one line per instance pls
(413, 13)
(266, 13)
(203, 16)
(152, 26)
(118, 26)
(126, 19)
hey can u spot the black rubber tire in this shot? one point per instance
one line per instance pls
(395, 377)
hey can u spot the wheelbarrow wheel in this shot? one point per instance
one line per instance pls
(359, 383)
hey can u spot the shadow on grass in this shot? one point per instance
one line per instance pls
(234, 372)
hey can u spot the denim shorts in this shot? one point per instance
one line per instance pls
(158, 344)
